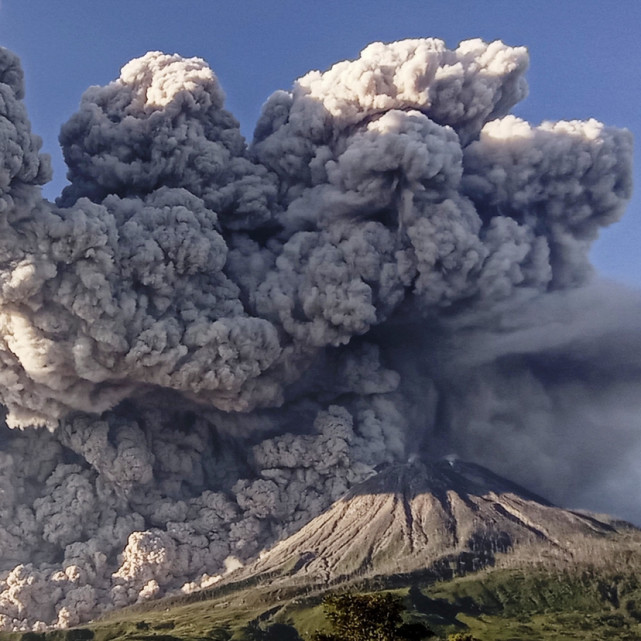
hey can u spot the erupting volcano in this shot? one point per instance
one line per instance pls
(205, 343)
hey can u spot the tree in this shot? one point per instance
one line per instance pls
(368, 617)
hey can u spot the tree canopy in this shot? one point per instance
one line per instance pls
(369, 617)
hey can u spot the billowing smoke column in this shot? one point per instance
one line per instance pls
(204, 344)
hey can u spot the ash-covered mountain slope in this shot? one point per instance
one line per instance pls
(444, 516)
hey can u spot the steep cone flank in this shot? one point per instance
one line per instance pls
(419, 517)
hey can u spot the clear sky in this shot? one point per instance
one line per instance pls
(584, 59)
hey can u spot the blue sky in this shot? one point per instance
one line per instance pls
(584, 59)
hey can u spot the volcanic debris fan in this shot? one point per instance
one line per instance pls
(204, 344)
(423, 521)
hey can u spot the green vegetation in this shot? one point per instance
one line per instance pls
(492, 605)
(368, 617)
(513, 605)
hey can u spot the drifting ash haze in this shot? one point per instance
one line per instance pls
(204, 344)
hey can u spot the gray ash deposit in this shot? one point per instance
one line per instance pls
(444, 518)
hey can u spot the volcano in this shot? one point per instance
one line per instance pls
(445, 518)
(205, 343)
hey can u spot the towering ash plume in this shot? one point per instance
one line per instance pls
(203, 343)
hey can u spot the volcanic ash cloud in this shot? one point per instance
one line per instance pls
(205, 343)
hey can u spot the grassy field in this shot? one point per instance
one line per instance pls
(511, 605)
(516, 605)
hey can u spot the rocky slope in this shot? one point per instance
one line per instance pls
(448, 517)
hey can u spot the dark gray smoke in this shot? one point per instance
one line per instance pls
(204, 343)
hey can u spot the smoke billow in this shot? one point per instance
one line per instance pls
(204, 344)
